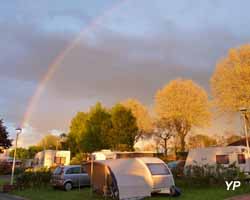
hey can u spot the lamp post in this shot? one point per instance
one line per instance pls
(244, 115)
(18, 132)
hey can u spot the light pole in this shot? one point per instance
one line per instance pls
(18, 131)
(244, 115)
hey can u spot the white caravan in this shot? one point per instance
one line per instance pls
(107, 154)
(50, 158)
(130, 178)
(219, 155)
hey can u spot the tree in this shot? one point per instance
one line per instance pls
(143, 119)
(49, 142)
(233, 138)
(5, 142)
(201, 140)
(163, 132)
(76, 132)
(183, 104)
(21, 153)
(230, 82)
(124, 128)
(33, 150)
(97, 132)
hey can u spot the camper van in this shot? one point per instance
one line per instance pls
(130, 178)
(219, 155)
(50, 158)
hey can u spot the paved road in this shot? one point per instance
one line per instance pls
(4, 196)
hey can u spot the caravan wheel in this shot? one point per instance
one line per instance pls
(174, 191)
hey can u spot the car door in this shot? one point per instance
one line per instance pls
(73, 175)
(84, 178)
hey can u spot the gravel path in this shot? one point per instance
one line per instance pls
(4, 196)
(242, 197)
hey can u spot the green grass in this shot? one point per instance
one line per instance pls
(215, 193)
(2, 182)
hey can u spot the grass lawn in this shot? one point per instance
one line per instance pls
(2, 182)
(215, 193)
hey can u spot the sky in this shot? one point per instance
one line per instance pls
(123, 48)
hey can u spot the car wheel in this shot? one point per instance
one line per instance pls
(68, 186)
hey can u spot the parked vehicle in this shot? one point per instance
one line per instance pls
(70, 176)
(131, 178)
(220, 155)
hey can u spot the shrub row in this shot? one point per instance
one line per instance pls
(32, 179)
(209, 175)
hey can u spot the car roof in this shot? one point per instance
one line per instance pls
(70, 166)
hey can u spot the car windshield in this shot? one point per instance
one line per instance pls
(58, 170)
(158, 169)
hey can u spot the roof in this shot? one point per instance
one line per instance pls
(241, 142)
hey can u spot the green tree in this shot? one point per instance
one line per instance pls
(76, 132)
(183, 104)
(5, 142)
(33, 150)
(21, 153)
(97, 132)
(124, 128)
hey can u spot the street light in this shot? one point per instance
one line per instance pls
(18, 132)
(244, 112)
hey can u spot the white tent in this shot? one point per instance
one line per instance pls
(130, 178)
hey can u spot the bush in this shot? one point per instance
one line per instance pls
(5, 168)
(79, 159)
(33, 178)
(211, 174)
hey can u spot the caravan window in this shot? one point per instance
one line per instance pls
(241, 159)
(222, 159)
(59, 160)
(158, 169)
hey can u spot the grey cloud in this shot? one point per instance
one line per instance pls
(111, 62)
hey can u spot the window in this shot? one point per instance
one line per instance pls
(58, 171)
(222, 159)
(59, 160)
(73, 170)
(241, 159)
(158, 169)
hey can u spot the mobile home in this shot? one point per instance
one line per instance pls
(50, 158)
(219, 155)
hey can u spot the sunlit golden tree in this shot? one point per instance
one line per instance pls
(140, 112)
(230, 82)
(49, 142)
(183, 104)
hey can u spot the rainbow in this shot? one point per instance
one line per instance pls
(53, 67)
